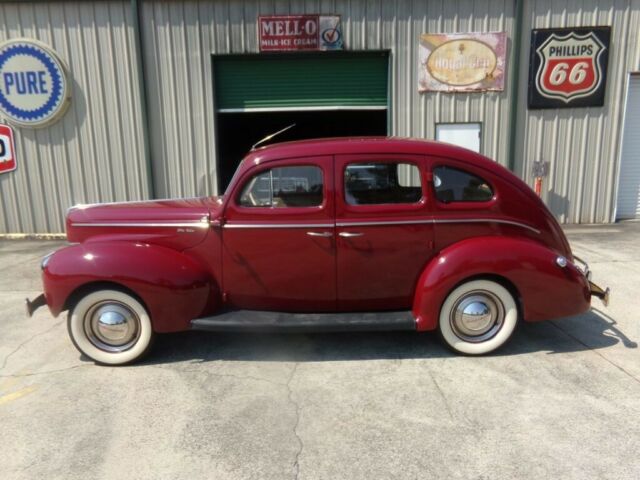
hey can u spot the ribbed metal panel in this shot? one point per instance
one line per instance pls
(629, 186)
(581, 144)
(180, 37)
(95, 153)
(298, 81)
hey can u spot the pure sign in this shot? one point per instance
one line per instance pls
(7, 150)
(568, 67)
(300, 32)
(33, 83)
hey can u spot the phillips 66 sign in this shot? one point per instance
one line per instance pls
(568, 67)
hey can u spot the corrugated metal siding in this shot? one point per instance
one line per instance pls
(581, 144)
(629, 185)
(95, 153)
(180, 37)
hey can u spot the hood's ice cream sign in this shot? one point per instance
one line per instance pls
(462, 62)
(568, 67)
(300, 32)
(33, 83)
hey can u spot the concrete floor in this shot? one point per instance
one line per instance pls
(562, 400)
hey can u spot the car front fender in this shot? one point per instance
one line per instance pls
(173, 286)
(543, 288)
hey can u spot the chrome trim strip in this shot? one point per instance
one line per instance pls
(487, 220)
(143, 224)
(434, 221)
(382, 223)
(278, 225)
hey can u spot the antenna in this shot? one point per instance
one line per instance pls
(269, 137)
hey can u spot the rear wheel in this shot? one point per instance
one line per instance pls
(478, 317)
(110, 327)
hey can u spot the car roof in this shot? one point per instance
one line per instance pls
(356, 145)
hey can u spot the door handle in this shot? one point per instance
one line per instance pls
(350, 234)
(320, 234)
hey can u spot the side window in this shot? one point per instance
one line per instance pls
(299, 186)
(380, 183)
(453, 185)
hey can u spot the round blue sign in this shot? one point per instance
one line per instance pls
(33, 83)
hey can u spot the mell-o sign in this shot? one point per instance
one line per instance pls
(7, 150)
(568, 67)
(300, 32)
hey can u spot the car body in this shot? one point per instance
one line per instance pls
(330, 234)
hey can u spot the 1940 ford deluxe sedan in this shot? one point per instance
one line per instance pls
(335, 234)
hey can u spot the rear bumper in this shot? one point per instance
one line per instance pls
(596, 291)
(602, 293)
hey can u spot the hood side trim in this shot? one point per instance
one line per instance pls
(143, 224)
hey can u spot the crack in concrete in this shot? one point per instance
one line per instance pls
(219, 375)
(290, 397)
(444, 397)
(34, 374)
(296, 463)
(6, 359)
(577, 340)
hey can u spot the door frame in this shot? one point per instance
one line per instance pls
(630, 75)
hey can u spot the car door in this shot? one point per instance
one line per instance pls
(279, 238)
(384, 230)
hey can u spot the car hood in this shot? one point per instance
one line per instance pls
(177, 224)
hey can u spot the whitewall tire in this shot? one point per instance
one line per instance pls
(110, 327)
(478, 317)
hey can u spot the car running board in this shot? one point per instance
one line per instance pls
(254, 320)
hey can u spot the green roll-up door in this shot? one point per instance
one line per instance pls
(298, 81)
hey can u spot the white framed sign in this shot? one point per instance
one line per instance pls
(465, 135)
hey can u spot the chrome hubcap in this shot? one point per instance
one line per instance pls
(477, 316)
(112, 326)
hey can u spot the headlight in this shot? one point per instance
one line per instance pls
(45, 260)
(561, 261)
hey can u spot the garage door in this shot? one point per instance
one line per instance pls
(629, 186)
(323, 81)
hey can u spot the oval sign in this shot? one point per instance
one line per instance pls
(34, 89)
(462, 62)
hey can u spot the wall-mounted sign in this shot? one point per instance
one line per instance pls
(7, 150)
(300, 32)
(568, 67)
(34, 89)
(462, 62)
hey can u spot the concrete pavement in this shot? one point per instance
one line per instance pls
(560, 401)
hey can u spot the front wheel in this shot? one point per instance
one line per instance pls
(110, 327)
(478, 317)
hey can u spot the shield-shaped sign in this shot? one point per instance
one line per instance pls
(568, 67)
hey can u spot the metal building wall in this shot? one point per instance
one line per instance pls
(180, 37)
(96, 152)
(581, 144)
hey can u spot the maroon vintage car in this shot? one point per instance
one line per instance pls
(335, 234)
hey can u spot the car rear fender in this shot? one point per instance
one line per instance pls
(173, 286)
(543, 288)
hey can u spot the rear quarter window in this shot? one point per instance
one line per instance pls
(456, 185)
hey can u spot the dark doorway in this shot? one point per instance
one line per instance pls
(237, 132)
